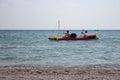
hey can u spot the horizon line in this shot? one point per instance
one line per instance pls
(59, 30)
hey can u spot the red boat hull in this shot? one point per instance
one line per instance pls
(90, 37)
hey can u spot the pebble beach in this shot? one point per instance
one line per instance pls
(58, 73)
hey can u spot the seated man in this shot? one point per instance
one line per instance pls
(67, 34)
(84, 33)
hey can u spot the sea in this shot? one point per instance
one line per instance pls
(33, 48)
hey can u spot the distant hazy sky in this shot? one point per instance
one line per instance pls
(73, 14)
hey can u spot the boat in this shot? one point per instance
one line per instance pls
(73, 36)
(89, 37)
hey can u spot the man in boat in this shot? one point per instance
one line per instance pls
(83, 33)
(67, 34)
(86, 33)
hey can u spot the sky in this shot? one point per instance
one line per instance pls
(73, 14)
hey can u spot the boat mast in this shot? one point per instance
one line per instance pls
(58, 26)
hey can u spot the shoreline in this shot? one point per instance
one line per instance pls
(58, 73)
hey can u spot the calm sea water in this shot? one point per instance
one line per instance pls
(22, 47)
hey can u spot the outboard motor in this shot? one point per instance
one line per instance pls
(73, 35)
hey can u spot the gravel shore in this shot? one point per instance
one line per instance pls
(58, 73)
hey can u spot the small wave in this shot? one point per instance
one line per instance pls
(106, 58)
(8, 58)
(104, 66)
(10, 46)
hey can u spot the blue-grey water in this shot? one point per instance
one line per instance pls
(32, 47)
